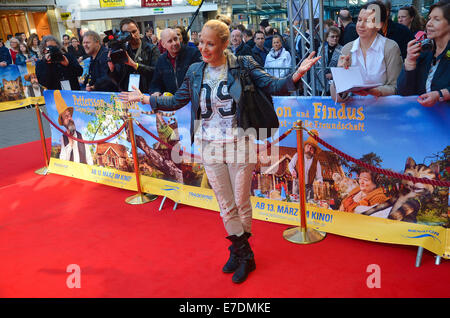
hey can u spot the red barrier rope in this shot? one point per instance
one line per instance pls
(154, 136)
(193, 156)
(379, 170)
(81, 140)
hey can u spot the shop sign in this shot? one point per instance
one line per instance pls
(112, 3)
(156, 3)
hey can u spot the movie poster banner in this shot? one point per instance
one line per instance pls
(19, 87)
(394, 133)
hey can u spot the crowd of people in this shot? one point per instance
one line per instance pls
(387, 52)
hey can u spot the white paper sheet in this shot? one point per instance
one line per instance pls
(350, 80)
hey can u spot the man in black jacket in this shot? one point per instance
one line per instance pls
(98, 77)
(347, 26)
(5, 56)
(259, 50)
(238, 46)
(142, 57)
(173, 64)
(249, 38)
(396, 31)
(57, 75)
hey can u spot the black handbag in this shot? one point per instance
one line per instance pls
(257, 111)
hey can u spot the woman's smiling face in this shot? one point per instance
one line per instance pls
(211, 46)
(437, 25)
(276, 43)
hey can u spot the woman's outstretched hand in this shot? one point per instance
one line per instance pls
(305, 66)
(134, 96)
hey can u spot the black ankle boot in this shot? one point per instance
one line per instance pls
(246, 260)
(233, 261)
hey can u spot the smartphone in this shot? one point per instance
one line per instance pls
(133, 81)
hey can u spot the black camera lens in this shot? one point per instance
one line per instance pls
(56, 56)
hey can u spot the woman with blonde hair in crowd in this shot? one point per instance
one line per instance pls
(217, 105)
(225, 19)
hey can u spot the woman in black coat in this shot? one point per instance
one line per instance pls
(77, 50)
(425, 72)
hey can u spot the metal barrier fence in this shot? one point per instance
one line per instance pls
(278, 71)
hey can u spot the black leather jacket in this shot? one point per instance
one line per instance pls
(190, 89)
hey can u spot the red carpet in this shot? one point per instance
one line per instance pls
(49, 222)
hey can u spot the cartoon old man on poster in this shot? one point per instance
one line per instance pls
(71, 149)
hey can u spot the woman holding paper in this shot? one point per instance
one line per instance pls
(377, 57)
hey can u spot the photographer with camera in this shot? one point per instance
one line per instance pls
(425, 71)
(57, 69)
(98, 77)
(138, 60)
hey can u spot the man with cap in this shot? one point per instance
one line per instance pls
(71, 149)
(313, 169)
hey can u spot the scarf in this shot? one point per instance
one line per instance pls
(276, 54)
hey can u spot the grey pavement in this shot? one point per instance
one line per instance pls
(18, 126)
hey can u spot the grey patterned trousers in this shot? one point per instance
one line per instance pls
(229, 173)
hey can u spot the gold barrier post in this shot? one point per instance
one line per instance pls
(302, 235)
(139, 198)
(44, 170)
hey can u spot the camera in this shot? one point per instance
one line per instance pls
(425, 43)
(117, 42)
(56, 56)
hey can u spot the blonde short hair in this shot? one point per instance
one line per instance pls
(220, 28)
